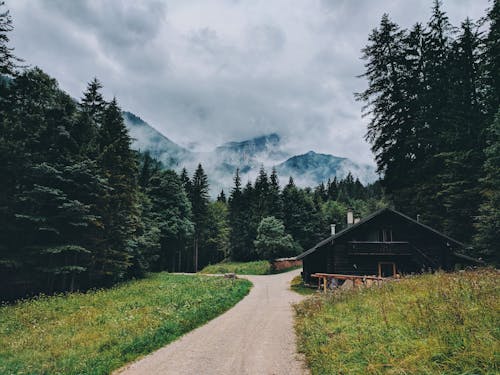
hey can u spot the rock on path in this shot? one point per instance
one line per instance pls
(254, 337)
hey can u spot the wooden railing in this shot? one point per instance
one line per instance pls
(379, 248)
(324, 279)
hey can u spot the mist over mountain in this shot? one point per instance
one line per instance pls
(269, 151)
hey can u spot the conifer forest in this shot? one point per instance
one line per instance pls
(79, 208)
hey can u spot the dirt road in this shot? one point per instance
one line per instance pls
(254, 337)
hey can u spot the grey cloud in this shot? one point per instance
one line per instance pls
(206, 72)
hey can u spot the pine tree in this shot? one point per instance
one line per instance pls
(261, 196)
(237, 220)
(492, 59)
(9, 63)
(186, 182)
(148, 167)
(89, 120)
(488, 221)
(171, 211)
(275, 202)
(120, 211)
(199, 203)
(222, 197)
(464, 141)
(218, 231)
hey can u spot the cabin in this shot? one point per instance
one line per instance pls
(386, 243)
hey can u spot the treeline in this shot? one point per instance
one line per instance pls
(433, 94)
(304, 214)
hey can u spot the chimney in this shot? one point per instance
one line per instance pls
(357, 219)
(350, 217)
(332, 229)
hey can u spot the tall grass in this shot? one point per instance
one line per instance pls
(430, 324)
(259, 267)
(99, 331)
(298, 286)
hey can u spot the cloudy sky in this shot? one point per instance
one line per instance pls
(206, 72)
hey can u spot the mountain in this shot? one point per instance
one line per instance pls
(308, 169)
(313, 168)
(147, 138)
(248, 155)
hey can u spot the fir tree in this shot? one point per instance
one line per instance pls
(120, 211)
(488, 221)
(199, 203)
(9, 63)
(222, 197)
(171, 211)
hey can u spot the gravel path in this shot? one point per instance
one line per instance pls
(254, 337)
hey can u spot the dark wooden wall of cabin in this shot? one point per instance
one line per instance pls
(429, 251)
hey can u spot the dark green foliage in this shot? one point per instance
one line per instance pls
(487, 239)
(171, 214)
(272, 242)
(217, 233)
(237, 220)
(306, 213)
(148, 167)
(8, 61)
(199, 201)
(432, 91)
(222, 197)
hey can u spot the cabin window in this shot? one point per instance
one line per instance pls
(385, 235)
(387, 269)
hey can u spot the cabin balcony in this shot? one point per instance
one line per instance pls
(379, 248)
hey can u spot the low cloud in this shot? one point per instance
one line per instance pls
(207, 72)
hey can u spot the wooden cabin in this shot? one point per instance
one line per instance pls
(385, 244)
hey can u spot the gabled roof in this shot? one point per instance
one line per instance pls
(370, 217)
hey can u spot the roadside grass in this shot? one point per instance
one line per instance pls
(430, 324)
(259, 267)
(99, 331)
(297, 285)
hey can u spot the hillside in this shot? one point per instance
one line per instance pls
(429, 324)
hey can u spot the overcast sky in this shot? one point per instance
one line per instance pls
(206, 72)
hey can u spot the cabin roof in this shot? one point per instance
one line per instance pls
(370, 217)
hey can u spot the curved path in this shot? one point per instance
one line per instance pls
(254, 337)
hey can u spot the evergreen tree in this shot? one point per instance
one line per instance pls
(222, 197)
(8, 61)
(261, 195)
(90, 119)
(186, 182)
(148, 167)
(491, 62)
(199, 203)
(488, 221)
(218, 231)
(172, 215)
(120, 211)
(459, 191)
(275, 201)
(236, 220)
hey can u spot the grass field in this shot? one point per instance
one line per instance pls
(99, 331)
(260, 267)
(297, 285)
(430, 324)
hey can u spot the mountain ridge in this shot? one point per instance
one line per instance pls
(220, 164)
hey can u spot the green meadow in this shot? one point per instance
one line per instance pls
(99, 331)
(429, 324)
(259, 267)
